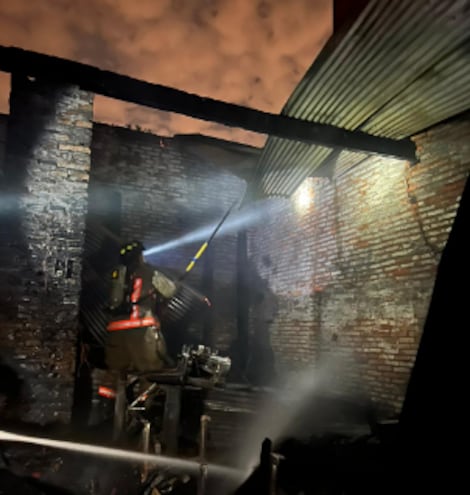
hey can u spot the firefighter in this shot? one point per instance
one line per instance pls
(134, 340)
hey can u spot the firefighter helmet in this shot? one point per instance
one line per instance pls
(130, 251)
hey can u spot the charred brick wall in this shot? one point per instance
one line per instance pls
(354, 270)
(165, 193)
(44, 203)
(345, 277)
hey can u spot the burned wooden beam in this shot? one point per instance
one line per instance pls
(132, 90)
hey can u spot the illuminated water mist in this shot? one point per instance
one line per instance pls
(246, 217)
(8, 201)
(126, 455)
(291, 410)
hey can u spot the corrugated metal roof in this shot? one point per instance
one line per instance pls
(400, 68)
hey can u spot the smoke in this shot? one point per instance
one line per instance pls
(244, 218)
(306, 403)
(7, 201)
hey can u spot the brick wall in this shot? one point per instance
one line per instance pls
(354, 270)
(44, 195)
(281, 252)
(165, 193)
(347, 275)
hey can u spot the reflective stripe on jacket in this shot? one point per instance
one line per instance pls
(149, 321)
(146, 283)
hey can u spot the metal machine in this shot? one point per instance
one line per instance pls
(147, 407)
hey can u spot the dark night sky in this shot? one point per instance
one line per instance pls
(243, 51)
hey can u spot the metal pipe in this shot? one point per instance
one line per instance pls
(145, 449)
(120, 406)
(205, 245)
(275, 460)
(143, 396)
(203, 468)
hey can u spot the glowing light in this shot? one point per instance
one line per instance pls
(303, 196)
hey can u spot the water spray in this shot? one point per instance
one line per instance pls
(125, 455)
(242, 219)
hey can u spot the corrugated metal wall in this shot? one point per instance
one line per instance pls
(98, 263)
(401, 67)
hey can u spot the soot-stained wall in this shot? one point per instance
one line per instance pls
(162, 193)
(345, 278)
(354, 269)
(43, 208)
(140, 187)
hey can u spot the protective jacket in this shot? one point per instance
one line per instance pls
(144, 286)
(134, 340)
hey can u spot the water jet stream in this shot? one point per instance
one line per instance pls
(245, 218)
(122, 454)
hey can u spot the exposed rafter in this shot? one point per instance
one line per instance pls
(132, 90)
